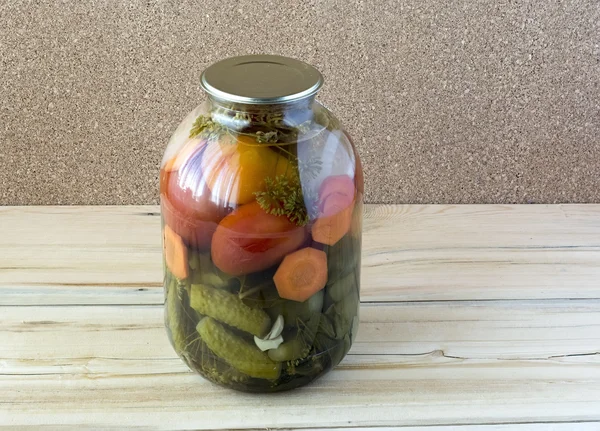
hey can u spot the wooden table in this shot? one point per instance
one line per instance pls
(472, 318)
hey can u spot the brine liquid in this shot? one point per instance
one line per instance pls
(317, 333)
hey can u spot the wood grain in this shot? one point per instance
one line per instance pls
(473, 318)
(412, 363)
(547, 426)
(108, 255)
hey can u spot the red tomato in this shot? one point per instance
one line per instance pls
(186, 202)
(250, 240)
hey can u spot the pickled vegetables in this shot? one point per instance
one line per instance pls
(342, 287)
(228, 308)
(191, 146)
(237, 352)
(175, 253)
(301, 274)
(237, 168)
(290, 350)
(250, 240)
(300, 341)
(262, 248)
(204, 272)
(336, 204)
(173, 316)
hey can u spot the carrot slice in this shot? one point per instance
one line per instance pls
(176, 254)
(301, 274)
(330, 229)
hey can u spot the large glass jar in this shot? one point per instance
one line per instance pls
(261, 198)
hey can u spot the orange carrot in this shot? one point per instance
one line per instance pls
(330, 229)
(301, 274)
(176, 254)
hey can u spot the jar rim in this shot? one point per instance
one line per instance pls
(261, 79)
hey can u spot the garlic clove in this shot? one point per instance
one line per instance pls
(265, 345)
(277, 328)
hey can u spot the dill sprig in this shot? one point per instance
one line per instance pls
(267, 137)
(283, 196)
(206, 126)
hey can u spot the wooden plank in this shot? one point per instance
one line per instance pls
(434, 363)
(80, 255)
(471, 330)
(445, 252)
(579, 426)
(111, 255)
(547, 426)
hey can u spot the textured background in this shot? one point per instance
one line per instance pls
(448, 101)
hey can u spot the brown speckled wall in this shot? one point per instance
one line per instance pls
(461, 101)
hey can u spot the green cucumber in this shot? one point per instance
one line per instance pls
(301, 343)
(203, 271)
(174, 316)
(342, 258)
(290, 350)
(229, 308)
(293, 311)
(237, 352)
(342, 287)
(341, 314)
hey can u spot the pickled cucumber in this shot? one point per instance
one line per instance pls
(237, 352)
(341, 314)
(229, 308)
(299, 343)
(203, 271)
(176, 321)
(342, 287)
(293, 311)
(211, 366)
(342, 258)
(258, 290)
(289, 350)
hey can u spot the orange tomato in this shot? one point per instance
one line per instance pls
(236, 168)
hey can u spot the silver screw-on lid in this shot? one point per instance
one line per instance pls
(261, 79)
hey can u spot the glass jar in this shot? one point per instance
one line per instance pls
(261, 199)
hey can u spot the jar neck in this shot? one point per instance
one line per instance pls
(295, 105)
(242, 115)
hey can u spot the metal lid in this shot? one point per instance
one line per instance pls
(261, 79)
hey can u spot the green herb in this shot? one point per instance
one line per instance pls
(206, 126)
(264, 137)
(283, 196)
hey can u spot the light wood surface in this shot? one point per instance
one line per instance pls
(472, 318)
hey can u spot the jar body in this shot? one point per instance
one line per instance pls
(262, 221)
